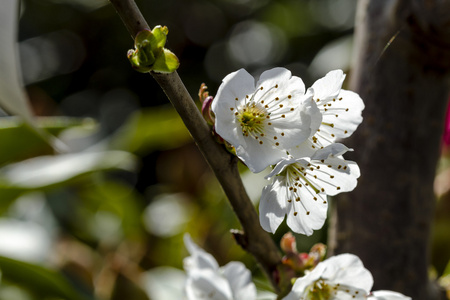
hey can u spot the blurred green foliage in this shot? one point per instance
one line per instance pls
(29, 144)
(40, 281)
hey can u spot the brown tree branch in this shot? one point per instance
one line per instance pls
(255, 240)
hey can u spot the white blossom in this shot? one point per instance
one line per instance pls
(206, 280)
(262, 121)
(300, 187)
(341, 277)
(340, 109)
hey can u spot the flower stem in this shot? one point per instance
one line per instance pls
(255, 240)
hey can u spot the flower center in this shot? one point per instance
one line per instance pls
(251, 118)
(319, 290)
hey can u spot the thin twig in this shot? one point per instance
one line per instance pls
(255, 240)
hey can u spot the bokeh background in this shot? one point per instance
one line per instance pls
(117, 234)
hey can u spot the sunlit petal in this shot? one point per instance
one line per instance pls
(265, 120)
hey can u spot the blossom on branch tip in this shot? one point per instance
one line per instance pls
(206, 280)
(265, 119)
(342, 277)
(300, 187)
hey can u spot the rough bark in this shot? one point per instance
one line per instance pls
(401, 71)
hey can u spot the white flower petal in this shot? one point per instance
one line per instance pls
(166, 283)
(307, 215)
(234, 86)
(307, 114)
(347, 269)
(240, 280)
(340, 277)
(302, 283)
(305, 149)
(266, 295)
(280, 76)
(341, 116)
(262, 122)
(387, 295)
(207, 284)
(301, 187)
(349, 294)
(257, 158)
(281, 166)
(313, 110)
(328, 87)
(288, 133)
(199, 258)
(272, 206)
(291, 195)
(335, 149)
(206, 281)
(333, 175)
(310, 149)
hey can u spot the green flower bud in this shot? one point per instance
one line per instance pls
(149, 53)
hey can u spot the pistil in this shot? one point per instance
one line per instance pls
(251, 117)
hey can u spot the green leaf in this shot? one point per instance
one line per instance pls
(135, 64)
(115, 199)
(142, 36)
(31, 144)
(145, 55)
(19, 141)
(159, 37)
(47, 172)
(151, 129)
(39, 280)
(167, 62)
(56, 125)
(147, 47)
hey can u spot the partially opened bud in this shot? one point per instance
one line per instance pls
(294, 261)
(300, 262)
(318, 252)
(208, 115)
(315, 256)
(288, 243)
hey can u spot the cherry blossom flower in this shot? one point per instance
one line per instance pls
(206, 280)
(340, 277)
(262, 121)
(340, 109)
(300, 188)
